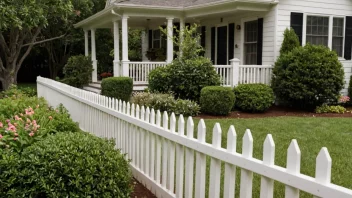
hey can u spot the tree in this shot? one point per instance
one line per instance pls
(21, 24)
(290, 41)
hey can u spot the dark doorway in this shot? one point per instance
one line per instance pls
(222, 46)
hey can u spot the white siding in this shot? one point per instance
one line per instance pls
(324, 7)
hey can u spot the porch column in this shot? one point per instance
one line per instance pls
(145, 44)
(86, 43)
(94, 57)
(182, 28)
(170, 43)
(117, 70)
(125, 61)
(235, 68)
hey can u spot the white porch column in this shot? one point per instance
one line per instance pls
(235, 65)
(170, 43)
(94, 58)
(86, 43)
(125, 61)
(117, 70)
(145, 45)
(182, 28)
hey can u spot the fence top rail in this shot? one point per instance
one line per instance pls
(256, 66)
(147, 63)
(280, 174)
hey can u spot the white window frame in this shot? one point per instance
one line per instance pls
(331, 21)
(153, 39)
(243, 21)
(216, 41)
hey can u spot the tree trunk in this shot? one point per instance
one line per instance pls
(7, 80)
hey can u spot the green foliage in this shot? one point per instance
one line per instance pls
(330, 109)
(290, 41)
(66, 165)
(254, 97)
(16, 104)
(78, 71)
(217, 100)
(14, 90)
(189, 73)
(166, 102)
(117, 87)
(308, 77)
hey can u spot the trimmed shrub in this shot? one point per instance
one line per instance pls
(217, 100)
(66, 165)
(78, 71)
(117, 87)
(290, 41)
(166, 102)
(330, 109)
(308, 77)
(189, 73)
(254, 97)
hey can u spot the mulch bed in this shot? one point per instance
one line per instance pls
(140, 191)
(277, 112)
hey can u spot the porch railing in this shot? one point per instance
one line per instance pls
(139, 71)
(347, 67)
(168, 159)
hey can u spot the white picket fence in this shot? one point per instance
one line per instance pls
(347, 66)
(167, 161)
(139, 71)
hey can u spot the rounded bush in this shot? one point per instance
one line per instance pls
(117, 87)
(217, 100)
(254, 97)
(185, 78)
(308, 76)
(78, 71)
(66, 165)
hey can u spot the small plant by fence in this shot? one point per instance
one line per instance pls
(167, 161)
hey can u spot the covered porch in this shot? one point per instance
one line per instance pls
(232, 36)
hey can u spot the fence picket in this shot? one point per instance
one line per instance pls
(267, 184)
(293, 167)
(189, 161)
(171, 160)
(165, 152)
(215, 164)
(180, 158)
(147, 144)
(200, 163)
(158, 150)
(246, 175)
(323, 167)
(138, 153)
(230, 170)
(152, 146)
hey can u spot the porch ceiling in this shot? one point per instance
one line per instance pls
(157, 15)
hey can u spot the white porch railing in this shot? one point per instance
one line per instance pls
(139, 71)
(167, 161)
(225, 72)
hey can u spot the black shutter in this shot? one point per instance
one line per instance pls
(260, 42)
(202, 37)
(150, 39)
(213, 45)
(231, 41)
(297, 24)
(348, 38)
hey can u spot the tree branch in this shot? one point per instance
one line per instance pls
(43, 41)
(3, 44)
(2, 68)
(28, 49)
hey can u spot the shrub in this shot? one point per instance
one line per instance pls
(290, 41)
(254, 97)
(308, 77)
(33, 124)
(189, 73)
(217, 100)
(78, 71)
(66, 165)
(166, 102)
(117, 87)
(17, 91)
(330, 109)
(17, 104)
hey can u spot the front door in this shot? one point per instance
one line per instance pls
(221, 58)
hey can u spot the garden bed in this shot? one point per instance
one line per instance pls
(278, 112)
(141, 191)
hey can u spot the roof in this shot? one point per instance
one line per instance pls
(163, 3)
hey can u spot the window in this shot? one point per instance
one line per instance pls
(337, 36)
(156, 39)
(250, 42)
(318, 30)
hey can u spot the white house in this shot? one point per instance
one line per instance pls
(249, 32)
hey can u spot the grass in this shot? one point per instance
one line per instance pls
(311, 133)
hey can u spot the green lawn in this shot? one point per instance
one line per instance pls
(311, 133)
